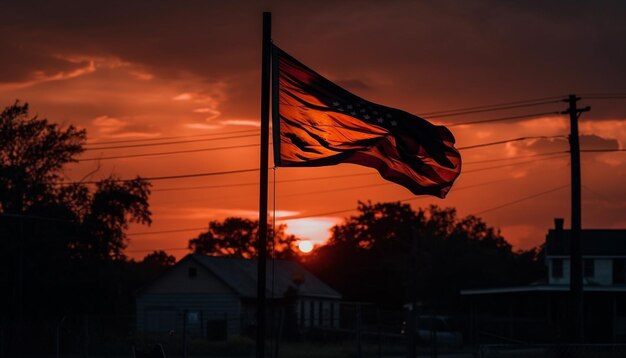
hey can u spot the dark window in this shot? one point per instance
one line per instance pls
(217, 329)
(318, 314)
(193, 272)
(311, 314)
(589, 265)
(557, 268)
(619, 276)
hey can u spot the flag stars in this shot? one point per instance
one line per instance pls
(349, 106)
(379, 120)
(336, 104)
(388, 115)
(353, 113)
(393, 123)
(362, 110)
(366, 116)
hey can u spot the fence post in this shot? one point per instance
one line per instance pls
(359, 343)
(86, 334)
(184, 333)
(380, 336)
(58, 337)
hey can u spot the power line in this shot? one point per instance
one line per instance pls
(257, 183)
(169, 143)
(601, 94)
(297, 216)
(256, 145)
(166, 177)
(171, 137)
(509, 141)
(504, 118)
(606, 97)
(511, 164)
(165, 249)
(452, 114)
(522, 199)
(167, 153)
(352, 209)
(218, 186)
(517, 157)
(293, 217)
(343, 189)
(492, 105)
(170, 177)
(602, 150)
(166, 231)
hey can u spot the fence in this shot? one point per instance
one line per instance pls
(553, 351)
(355, 330)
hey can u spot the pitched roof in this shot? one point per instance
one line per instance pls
(241, 276)
(595, 242)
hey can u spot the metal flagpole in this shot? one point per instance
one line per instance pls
(265, 129)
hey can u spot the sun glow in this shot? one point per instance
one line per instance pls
(305, 246)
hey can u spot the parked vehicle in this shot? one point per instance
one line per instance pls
(440, 329)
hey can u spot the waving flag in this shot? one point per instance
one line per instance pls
(318, 123)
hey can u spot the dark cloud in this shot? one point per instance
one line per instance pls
(597, 142)
(587, 141)
(450, 52)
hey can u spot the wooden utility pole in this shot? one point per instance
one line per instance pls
(576, 260)
(265, 130)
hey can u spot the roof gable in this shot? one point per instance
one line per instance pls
(241, 276)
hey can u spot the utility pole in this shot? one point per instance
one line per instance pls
(576, 260)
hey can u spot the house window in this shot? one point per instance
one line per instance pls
(557, 268)
(193, 272)
(589, 267)
(311, 314)
(619, 273)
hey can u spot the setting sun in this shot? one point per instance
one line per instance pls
(305, 246)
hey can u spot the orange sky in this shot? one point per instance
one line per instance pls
(148, 70)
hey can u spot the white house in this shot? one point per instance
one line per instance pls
(604, 257)
(542, 310)
(215, 297)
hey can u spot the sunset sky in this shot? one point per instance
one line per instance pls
(153, 72)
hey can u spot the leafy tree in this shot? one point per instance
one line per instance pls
(388, 248)
(112, 207)
(160, 259)
(33, 152)
(63, 239)
(237, 237)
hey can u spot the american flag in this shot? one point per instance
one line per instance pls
(318, 123)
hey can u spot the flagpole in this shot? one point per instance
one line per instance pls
(265, 130)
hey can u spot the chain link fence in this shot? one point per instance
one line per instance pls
(553, 351)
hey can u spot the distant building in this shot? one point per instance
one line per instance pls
(604, 258)
(215, 297)
(541, 311)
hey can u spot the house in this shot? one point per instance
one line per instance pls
(541, 311)
(215, 297)
(604, 258)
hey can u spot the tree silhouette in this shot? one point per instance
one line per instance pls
(64, 239)
(159, 258)
(32, 154)
(387, 248)
(237, 237)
